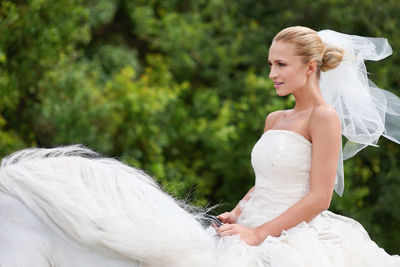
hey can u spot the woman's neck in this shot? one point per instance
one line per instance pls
(308, 97)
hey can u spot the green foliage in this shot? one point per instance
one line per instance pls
(180, 89)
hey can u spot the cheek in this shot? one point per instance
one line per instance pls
(299, 77)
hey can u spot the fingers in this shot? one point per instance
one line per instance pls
(223, 216)
(228, 233)
(227, 229)
(215, 226)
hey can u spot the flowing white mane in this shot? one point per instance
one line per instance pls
(105, 205)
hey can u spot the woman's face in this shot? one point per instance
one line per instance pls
(288, 71)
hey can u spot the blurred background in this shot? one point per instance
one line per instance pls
(180, 89)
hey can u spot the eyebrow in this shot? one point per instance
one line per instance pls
(277, 60)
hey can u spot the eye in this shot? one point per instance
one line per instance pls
(269, 64)
(281, 64)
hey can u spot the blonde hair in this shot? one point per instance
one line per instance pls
(310, 47)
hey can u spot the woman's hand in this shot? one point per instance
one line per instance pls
(249, 235)
(229, 217)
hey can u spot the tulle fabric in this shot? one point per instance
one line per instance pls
(366, 111)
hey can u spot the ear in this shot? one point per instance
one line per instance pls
(312, 67)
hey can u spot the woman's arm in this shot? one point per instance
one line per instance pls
(324, 129)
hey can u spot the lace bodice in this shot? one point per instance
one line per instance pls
(281, 161)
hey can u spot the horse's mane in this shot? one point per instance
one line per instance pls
(104, 204)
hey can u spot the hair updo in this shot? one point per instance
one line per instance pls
(310, 47)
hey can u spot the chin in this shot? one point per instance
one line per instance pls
(280, 92)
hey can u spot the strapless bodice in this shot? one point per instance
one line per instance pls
(281, 161)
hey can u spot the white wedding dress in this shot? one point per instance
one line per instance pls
(281, 160)
(88, 211)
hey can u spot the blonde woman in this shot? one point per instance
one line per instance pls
(298, 159)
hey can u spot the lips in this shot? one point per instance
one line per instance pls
(278, 84)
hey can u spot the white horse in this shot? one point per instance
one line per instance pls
(69, 207)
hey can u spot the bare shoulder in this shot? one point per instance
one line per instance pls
(325, 114)
(324, 121)
(272, 118)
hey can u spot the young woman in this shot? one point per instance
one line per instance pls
(296, 159)
(68, 207)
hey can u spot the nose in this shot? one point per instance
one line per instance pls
(272, 73)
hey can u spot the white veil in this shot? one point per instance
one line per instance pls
(366, 112)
